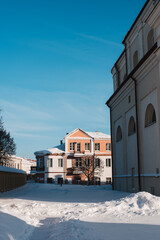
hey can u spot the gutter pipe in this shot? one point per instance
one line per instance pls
(137, 128)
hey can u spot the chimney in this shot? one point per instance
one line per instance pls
(61, 142)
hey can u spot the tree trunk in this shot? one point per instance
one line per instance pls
(88, 183)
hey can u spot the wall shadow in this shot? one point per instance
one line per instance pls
(66, 193)
(13, 228)
(54, 228)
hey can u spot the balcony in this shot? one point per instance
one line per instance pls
(73, 171)
(79, 154)
(76, 171)
(33, 169)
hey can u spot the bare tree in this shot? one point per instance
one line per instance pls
(7, 145)
(89, 166)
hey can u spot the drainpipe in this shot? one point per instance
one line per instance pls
(112, 148)
(138, 151)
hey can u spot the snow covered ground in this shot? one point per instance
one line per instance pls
(74, 212)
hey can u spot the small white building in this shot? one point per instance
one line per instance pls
(27, 164)
(51, 164)
(21, 163)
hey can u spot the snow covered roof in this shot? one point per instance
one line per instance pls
(24, 160)
(98, 135)
(77, 129)
(9, 169)
(56, 149)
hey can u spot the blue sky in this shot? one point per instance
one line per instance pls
(55, 63)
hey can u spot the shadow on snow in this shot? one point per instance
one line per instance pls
(66, 193)
(12, 228)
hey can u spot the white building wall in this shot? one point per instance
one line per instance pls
(55, 171)
(150, 137)
(69, 163)
(105, 172)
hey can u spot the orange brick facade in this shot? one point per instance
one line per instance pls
(80, 152)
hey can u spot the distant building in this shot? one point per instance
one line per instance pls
(88, 145)
(27, 164)
(135, 105)
(64, 162)
(51, 164)
(21, 163)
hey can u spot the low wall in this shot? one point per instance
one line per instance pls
(11, 178)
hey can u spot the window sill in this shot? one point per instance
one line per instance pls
(150, 124)
(131, 134)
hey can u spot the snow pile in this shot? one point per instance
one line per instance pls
(141, 203)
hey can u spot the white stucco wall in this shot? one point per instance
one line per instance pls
(150, 136)
(105, 172)
(54, 172)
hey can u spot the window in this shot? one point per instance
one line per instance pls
(78, 147)
(108, 162)
(119, 134)
(78, 162)
(87, 146)
(150, 115)
(150, 39)
(97, 146)
(97, 181)
(129, 99)
(40, 162)
(108, 180)
(87, 162)
(97, 162)
(49, 162)
(135, 58)
(72, 146)
(60, 162)
(131, 126)
(108, 147)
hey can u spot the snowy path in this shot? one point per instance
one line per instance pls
(71, 212)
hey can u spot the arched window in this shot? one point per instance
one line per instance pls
(135, 58)
(150, 39)
(131, 126)
(150, 116)
(119, 134)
